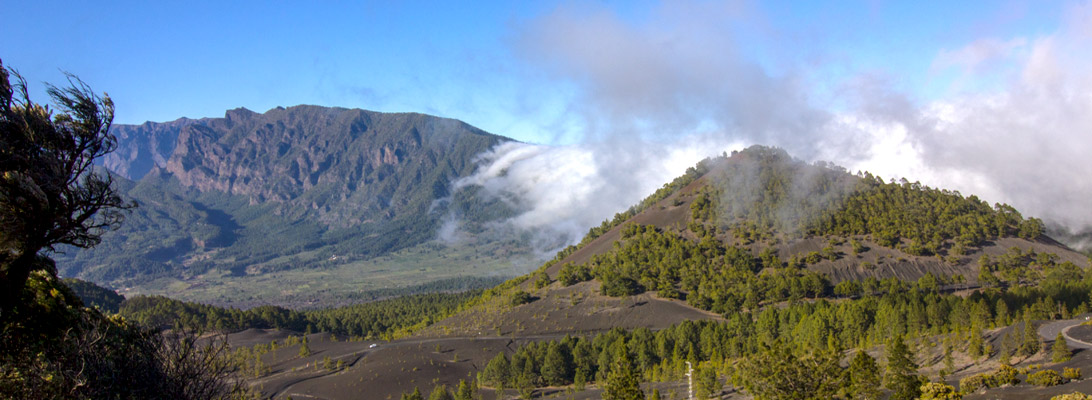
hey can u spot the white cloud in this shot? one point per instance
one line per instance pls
(656, 96)
(979, 54)
(563, 191)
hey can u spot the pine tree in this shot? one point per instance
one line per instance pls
(622, 381)
(1060, 351)
(779, 374)
(655, 395)
(901, 374)
(1032, 343)
(498, 372)
(557, 366)
(416, 395)
(949, 361)
(305, 350)
(706, 382)
(863, 377)
(440, 393)
(976, 347)
(464, 391)
(1001, 310)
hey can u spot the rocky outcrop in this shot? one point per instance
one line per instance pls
(143, 147)
(344, 166)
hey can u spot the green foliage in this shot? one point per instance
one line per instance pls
(923, 216)
(939, 391)
(372, 320)
(655, 395)
(520, 297)
(761, 192)
(792, 332)
(778, 373)
(622, 381)
(691, 174)
(415, 395)
(322, 187)
(1072, 396)
(557, 366)
(305, 349)
(50, 192)
(1031, 343)
(977, 346)
(1046, 377)
(714, 277)
(94, 295)
(901, 376)
(51, 347)
(975, 383)
(542, 280)
(706, 383)
(464, 391)
(571, 274)
(1004, 375)
(498, 372)
(863, 378)
(1060, 350)
(857, 246)
(1071, 373)
(441, 393)
(848, 289)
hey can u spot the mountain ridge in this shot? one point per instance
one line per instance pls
(673, 214)
(293, 188)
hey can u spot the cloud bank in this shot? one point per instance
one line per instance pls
(655, 96)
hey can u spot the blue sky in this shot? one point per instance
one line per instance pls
(163, 60)
(986, 97)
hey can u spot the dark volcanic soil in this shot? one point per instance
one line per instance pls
(460, 346)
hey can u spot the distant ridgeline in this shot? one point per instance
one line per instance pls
(303, 187)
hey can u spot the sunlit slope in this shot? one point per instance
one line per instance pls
(305, 193)
(759, 227)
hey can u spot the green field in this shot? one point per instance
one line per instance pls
(347, 282)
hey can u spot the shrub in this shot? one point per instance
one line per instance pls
(572, 274)
(939, 391)
(1072, 396)
(1005, 375)
(621, 287)
(542, 280)
(975, 383)
(520, 297)
(1071, 373)
(1046, 377)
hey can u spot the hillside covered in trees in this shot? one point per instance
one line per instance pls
(840, 285)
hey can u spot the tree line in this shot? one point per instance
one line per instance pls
(770, 351)
(378, 319)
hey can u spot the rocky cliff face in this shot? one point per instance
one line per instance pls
(144, 147)
(301, 187)
(345, 166)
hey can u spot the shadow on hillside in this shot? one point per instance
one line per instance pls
(228, 229)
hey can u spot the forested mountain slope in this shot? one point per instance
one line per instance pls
(774, 278)
(760, 227)
(302, 188)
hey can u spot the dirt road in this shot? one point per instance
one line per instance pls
(1050, 330)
